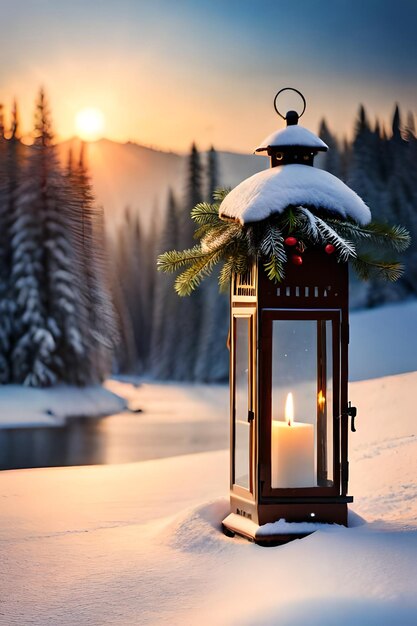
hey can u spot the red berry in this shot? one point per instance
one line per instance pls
(290, 241)
(329, 249)
(296, 259)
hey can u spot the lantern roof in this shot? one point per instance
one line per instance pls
(293, 136)
(272, 191)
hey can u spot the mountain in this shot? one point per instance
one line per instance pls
(131, 175)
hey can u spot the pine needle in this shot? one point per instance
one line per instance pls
(367, 268)
(205, 213)
(236, 245)
(395, 237)
(221, 235)
(272, 243)
(189, 280)
(174, 260)
(221, 193)
(344, 248)
(274, 269)
(238, 263)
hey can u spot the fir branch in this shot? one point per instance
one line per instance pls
(272, 243)
(223, 235)
(396, 237)
(205, 213)
(274, 269)
(253, 235)
(289, 220)
(366, 268)
(189, 280)
(174, 260)
(237, 262)
(202, 230)
(310, 224)
(344, 247)
(220, 193)
(349, 229)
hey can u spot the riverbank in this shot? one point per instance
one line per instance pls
(24, 407)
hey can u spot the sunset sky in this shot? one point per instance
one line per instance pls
(165, 73)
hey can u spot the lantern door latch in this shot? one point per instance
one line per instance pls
(352, 412)
(251, 416)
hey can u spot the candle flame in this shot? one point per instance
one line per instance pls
(321, 400)
(289, 410)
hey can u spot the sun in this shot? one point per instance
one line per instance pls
(89, 124)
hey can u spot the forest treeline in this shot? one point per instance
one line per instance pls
(75, 305)
(57, 318)
(184, 339)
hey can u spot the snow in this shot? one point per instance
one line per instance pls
(23, 407)
(272, 191)
(292, 136)
(383, 341)
(141, 544)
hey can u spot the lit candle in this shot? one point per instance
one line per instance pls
(292, 451)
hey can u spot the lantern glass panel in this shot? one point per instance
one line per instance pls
(242, 390)
(301, 404)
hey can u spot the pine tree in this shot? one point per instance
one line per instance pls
(164, 340)
(212, 359)
(190, 310)
(212, 174)
(5, 269)
(49, 347)
(126, 358)
(134, 282)
(212, 356)
(331, 159)
(87, 230)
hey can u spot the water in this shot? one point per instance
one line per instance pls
(121, 438)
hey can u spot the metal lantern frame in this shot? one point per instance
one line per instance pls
(316, 291)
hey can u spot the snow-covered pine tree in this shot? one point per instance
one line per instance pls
(5, 264)
(105, 334)
(87, 230)
(49, 347)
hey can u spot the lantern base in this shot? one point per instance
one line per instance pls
(272, 534)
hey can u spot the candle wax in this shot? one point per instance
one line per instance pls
(292, 455)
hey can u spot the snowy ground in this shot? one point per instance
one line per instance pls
(21, 407)
(140, 544)
(383, 341)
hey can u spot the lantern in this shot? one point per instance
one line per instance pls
(289, 356)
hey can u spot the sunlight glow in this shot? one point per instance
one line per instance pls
(89, 124)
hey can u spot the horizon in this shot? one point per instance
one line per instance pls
(164, 75)
(384, 125)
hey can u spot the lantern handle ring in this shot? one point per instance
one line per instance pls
(289, 89)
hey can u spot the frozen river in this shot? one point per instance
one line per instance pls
(175, 420)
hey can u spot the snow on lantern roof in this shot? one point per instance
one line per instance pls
(272, 191)
(294, 136)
